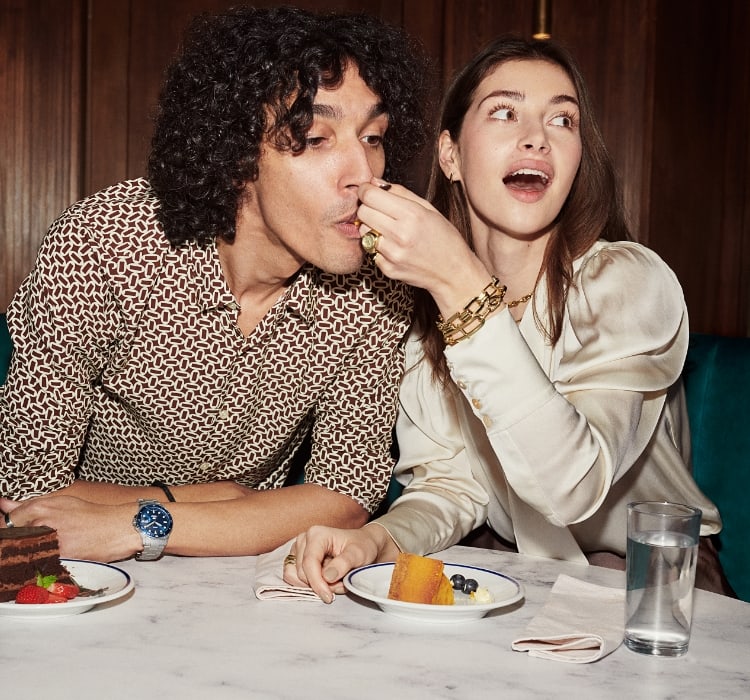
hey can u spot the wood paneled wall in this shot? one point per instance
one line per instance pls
(42, 48)
(669, 79)
(699, 190)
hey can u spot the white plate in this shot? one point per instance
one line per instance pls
(115, 583)
(372, 583)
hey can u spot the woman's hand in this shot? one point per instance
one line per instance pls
(420, 246)
(325, 555)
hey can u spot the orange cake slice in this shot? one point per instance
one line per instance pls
(418, 579)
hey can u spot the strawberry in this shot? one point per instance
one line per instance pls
(32, 594)
(47, 590)
(65, 590)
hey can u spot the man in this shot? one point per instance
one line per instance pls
(178, 338)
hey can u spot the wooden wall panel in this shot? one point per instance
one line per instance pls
(107, 95)
(700, 209)
(472, 24)
(612, 42)
(41, 126)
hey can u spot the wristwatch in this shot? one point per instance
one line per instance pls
(154, 523)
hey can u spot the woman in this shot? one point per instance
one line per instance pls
(542, 387)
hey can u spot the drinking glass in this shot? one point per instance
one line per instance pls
(662, 553)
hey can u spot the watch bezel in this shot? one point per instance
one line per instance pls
(156, 528)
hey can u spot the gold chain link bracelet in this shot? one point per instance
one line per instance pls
(464, 323)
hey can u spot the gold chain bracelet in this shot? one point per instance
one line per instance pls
(464, 323)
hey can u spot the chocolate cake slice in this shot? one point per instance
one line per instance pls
(24, 553)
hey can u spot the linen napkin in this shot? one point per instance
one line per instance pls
(580, 623)
(269, 578)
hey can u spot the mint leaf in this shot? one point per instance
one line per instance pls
(44, 581)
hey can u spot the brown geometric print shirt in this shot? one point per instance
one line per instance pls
(129, 367)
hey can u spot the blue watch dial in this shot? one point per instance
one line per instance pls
(154, 520)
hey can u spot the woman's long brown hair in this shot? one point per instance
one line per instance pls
(593, 209)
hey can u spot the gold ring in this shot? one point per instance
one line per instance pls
(370, 241)
(290, 559)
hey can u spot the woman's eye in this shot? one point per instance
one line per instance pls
(564, 120)
(503, 114)
(313, 141)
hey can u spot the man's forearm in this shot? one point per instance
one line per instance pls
(251, 524)
(113, 494)
(259, 521)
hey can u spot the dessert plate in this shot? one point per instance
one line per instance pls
(372, 583)
(114, 583)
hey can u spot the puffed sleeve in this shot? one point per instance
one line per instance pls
(567, 422)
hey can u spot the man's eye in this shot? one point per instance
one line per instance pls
(373, 139)
(313, 141)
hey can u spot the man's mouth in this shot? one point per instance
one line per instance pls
(527, 179)
(350, 225)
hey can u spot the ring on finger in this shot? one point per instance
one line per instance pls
(8, 521)
(370, 241)
(290, 559)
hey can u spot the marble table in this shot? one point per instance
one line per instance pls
(192, 628)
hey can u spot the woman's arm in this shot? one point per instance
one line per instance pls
(566, 422)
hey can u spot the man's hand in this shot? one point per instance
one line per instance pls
(86, 530)
(95, 521)
(324, 555)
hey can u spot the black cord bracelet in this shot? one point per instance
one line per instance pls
(165, 488)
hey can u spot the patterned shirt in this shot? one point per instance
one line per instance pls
(129, 366)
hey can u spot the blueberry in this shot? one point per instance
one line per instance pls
(470, 585)
(458, 581)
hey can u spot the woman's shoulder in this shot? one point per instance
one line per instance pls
(623, 267)
(624, 252)
(627, 254)
(625, 288)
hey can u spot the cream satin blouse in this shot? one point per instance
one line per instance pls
(549, 444)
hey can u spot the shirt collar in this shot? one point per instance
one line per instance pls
(213, 293)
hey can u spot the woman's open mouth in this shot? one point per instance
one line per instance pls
(527, 180)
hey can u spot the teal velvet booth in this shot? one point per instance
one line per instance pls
(5, 349)
(717, 385)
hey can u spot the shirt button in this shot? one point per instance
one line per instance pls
(487, 421)
(224, 413)
(461, 385)
(476, 403)
(204, 466)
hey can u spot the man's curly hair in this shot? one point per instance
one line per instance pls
(249, 74)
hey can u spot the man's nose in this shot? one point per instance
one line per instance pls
(361, 164)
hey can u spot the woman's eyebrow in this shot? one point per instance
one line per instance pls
(520, 97)
(508, 94)
(560, 99)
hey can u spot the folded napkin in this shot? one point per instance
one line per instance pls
(269, 581)
(580, 622)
